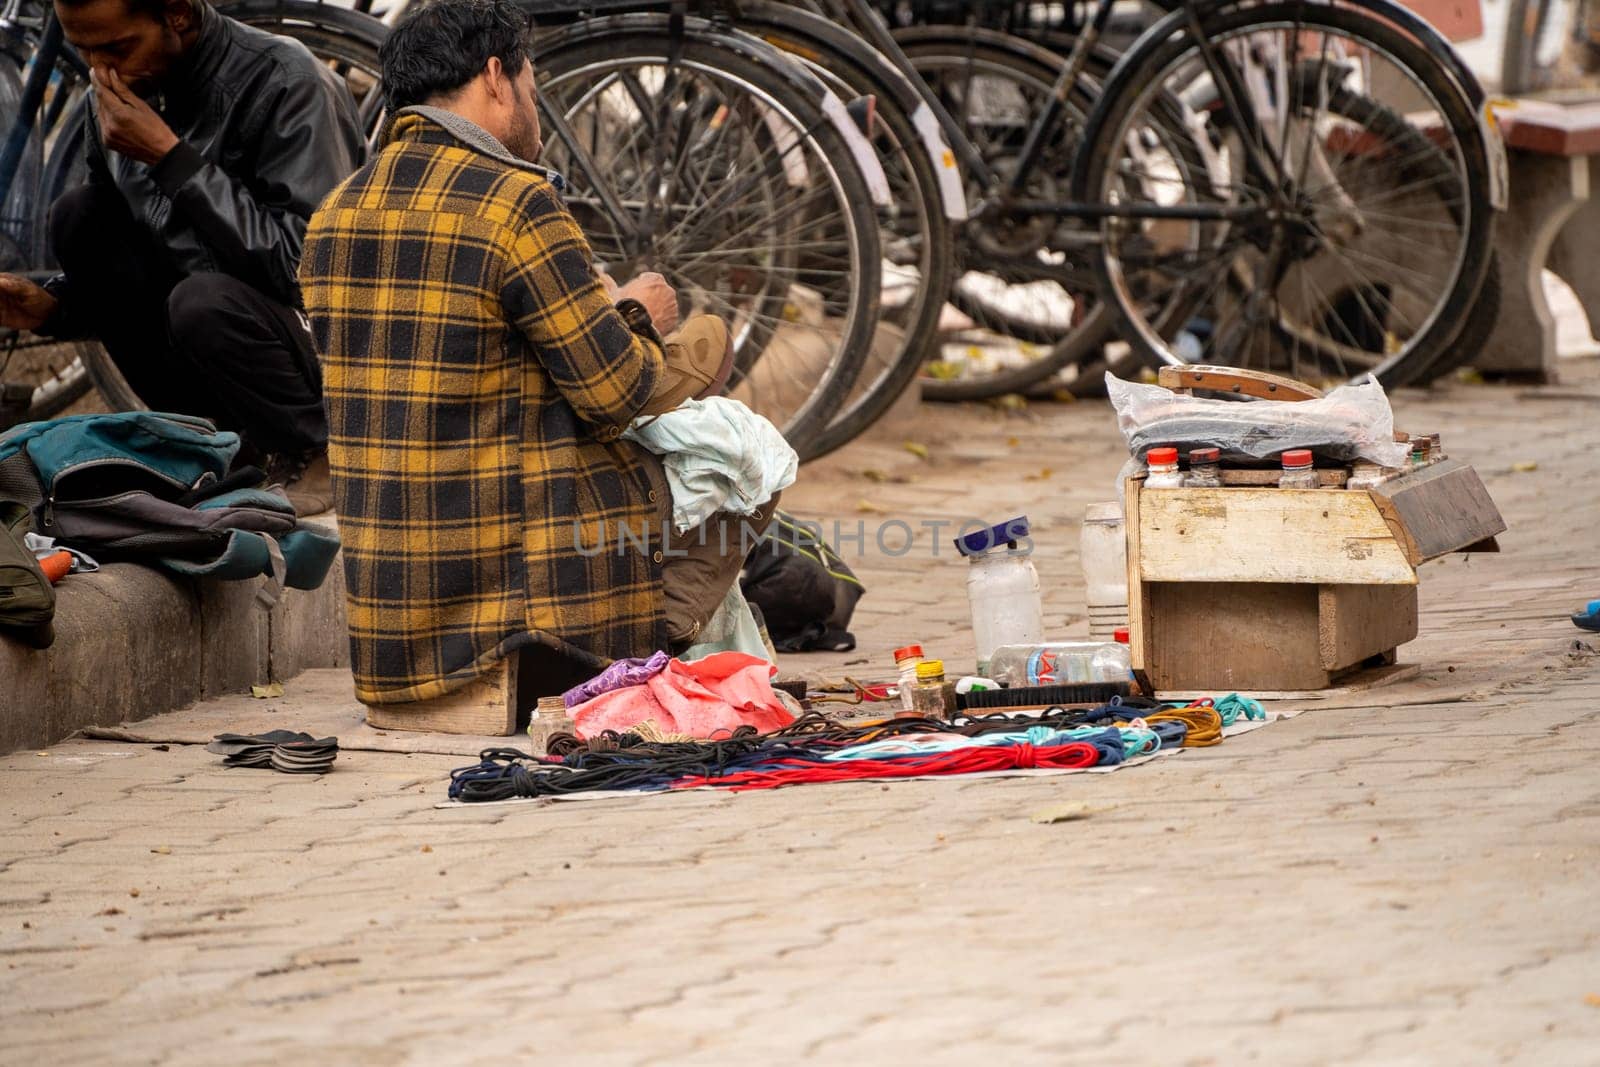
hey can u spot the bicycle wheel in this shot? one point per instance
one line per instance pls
(915, 236)
(347, 41)
(1543, 44)
(690, 158)
(1026, 289)
(1318, 259)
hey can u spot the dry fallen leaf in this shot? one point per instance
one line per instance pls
(427, 848)
(1593, 1000)
(267, 692)
(873, 474)
(1527, 466)
(918, 449)
(867, 507)
(1041, 475)
(162, 850)
(1013, 442)
(1069, 812)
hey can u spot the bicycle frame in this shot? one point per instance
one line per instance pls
(51, 49)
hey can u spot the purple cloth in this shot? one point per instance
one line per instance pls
(620, 675)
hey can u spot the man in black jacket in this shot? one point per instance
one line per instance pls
(211, 144)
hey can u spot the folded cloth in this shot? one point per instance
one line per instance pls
(718, 455)
(621, 674)
(706, 699)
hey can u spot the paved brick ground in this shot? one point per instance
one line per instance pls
(1403, 883)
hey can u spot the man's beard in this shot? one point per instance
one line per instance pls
(522, 140)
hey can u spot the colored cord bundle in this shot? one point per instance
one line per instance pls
(815, 748)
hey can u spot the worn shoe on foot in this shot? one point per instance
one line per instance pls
(699, 360)
(305, 481)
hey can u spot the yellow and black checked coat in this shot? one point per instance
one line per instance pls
(476, 379)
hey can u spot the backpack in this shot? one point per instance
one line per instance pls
(156, 488)
(805, 592)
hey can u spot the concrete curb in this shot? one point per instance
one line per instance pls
(132, 642)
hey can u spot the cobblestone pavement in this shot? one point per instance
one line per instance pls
(1410, 882)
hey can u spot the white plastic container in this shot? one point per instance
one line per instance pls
(1002, 589)
(1061, 663)
(1103, 547)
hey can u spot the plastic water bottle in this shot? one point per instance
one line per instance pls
(1061, 663)
(1103, 549)
(1002, 589)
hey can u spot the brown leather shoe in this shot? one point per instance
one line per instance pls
(306, 482)
(699, 361)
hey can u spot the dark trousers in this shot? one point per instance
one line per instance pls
(205, 344)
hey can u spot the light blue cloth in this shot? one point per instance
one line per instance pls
(719, 456)
(732, 628)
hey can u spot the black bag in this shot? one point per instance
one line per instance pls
(805, 592)
(27, 600)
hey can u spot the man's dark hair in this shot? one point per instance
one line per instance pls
(155, 10)
(444, 44)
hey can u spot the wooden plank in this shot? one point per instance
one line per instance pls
(487, 706)
(1437, 510)
(1330, 479)
(1230, 637)
(1315, 536)
(1357, 622)
(1254, 383)
(1138, 599)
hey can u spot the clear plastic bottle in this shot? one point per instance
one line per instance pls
(1103, 550)
(905, 661)
(1205, 469)
(1365, 475)
(1061, 663)
(1163, 466)
(928, 696)
(1002, 589)
(1298, 472)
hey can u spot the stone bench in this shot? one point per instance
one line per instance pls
(1552, 222)
(132, 642)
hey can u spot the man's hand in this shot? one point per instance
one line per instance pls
(128, 125)
(652, 290)
(23, 305)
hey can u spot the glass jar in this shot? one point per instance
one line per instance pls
(1205, 469)
(1298, 472)
(1162, 464)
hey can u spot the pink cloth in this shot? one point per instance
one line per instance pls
(705, 699)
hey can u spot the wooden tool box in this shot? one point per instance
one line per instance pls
(1255, 588)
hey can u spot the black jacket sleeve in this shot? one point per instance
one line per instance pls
(309, 142)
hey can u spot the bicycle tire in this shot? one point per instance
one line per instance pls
(332, 34)
(1479, 323)
(645, 41)
(998, 55)
(1157, 53)
(914, 183)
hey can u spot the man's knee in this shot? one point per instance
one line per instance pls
(203, 309)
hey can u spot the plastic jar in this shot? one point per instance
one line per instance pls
(1002, 589)
(1205, 469)
(1162, 464)
(1298, 473)
(928, 698)
(1103, 551)
(905, 661)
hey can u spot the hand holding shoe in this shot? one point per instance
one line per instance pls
(658, 298)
